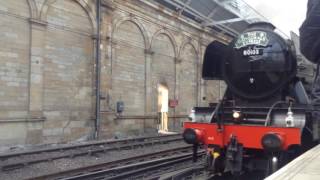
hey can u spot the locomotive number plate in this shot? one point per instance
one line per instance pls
(252, 52)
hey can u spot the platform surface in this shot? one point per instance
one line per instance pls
(304, 167)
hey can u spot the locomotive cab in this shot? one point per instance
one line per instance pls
(265, 111)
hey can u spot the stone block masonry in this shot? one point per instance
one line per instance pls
(47, 68)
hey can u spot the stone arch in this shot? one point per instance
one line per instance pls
(128, 67)
(84, 5)
(163, 64)
(171, 37)
(191, 42)
(68, 69)
(117, 22)
(33, 9)
(187, 77)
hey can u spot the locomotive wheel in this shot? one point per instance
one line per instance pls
(275, 162)
(209, 162)
(214, 163)
(270, 168)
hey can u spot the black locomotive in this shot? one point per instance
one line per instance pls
(264, 118)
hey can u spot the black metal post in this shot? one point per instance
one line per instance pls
(195, 152)
(98, 69)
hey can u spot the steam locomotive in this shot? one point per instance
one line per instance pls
(264, 118)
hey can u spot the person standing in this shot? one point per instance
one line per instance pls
(310, 48)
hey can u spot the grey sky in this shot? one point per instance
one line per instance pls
(287, 15)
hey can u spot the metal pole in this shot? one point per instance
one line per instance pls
(98, 69)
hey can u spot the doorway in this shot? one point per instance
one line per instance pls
(163, 107)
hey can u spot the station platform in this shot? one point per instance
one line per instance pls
(304, 167)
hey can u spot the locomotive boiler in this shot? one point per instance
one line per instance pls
(264, 118)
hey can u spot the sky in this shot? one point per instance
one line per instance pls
(287, 15)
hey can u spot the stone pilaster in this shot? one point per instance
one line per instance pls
(198, 79)
(38, 30)
(201, 83)
(178, 62)
(148, 103)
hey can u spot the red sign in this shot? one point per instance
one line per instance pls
(173, 103)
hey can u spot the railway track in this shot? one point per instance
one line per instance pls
(137, 167)
(11, 161)
(195, 172)
(158, 168)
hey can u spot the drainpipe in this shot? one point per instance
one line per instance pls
(98, 70)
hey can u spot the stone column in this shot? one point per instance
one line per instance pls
(148, 79)
(201, 83)
(177, 89)
(149, 125)
(198, 82)
(38, 30)
(35, 115)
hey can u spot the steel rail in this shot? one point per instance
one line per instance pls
(17, 165)
(113, 164)
(131, 170)
(164, 165)
(187, 173)
(75, 146)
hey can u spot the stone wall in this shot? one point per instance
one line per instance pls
(14, 68)
(47, 68)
